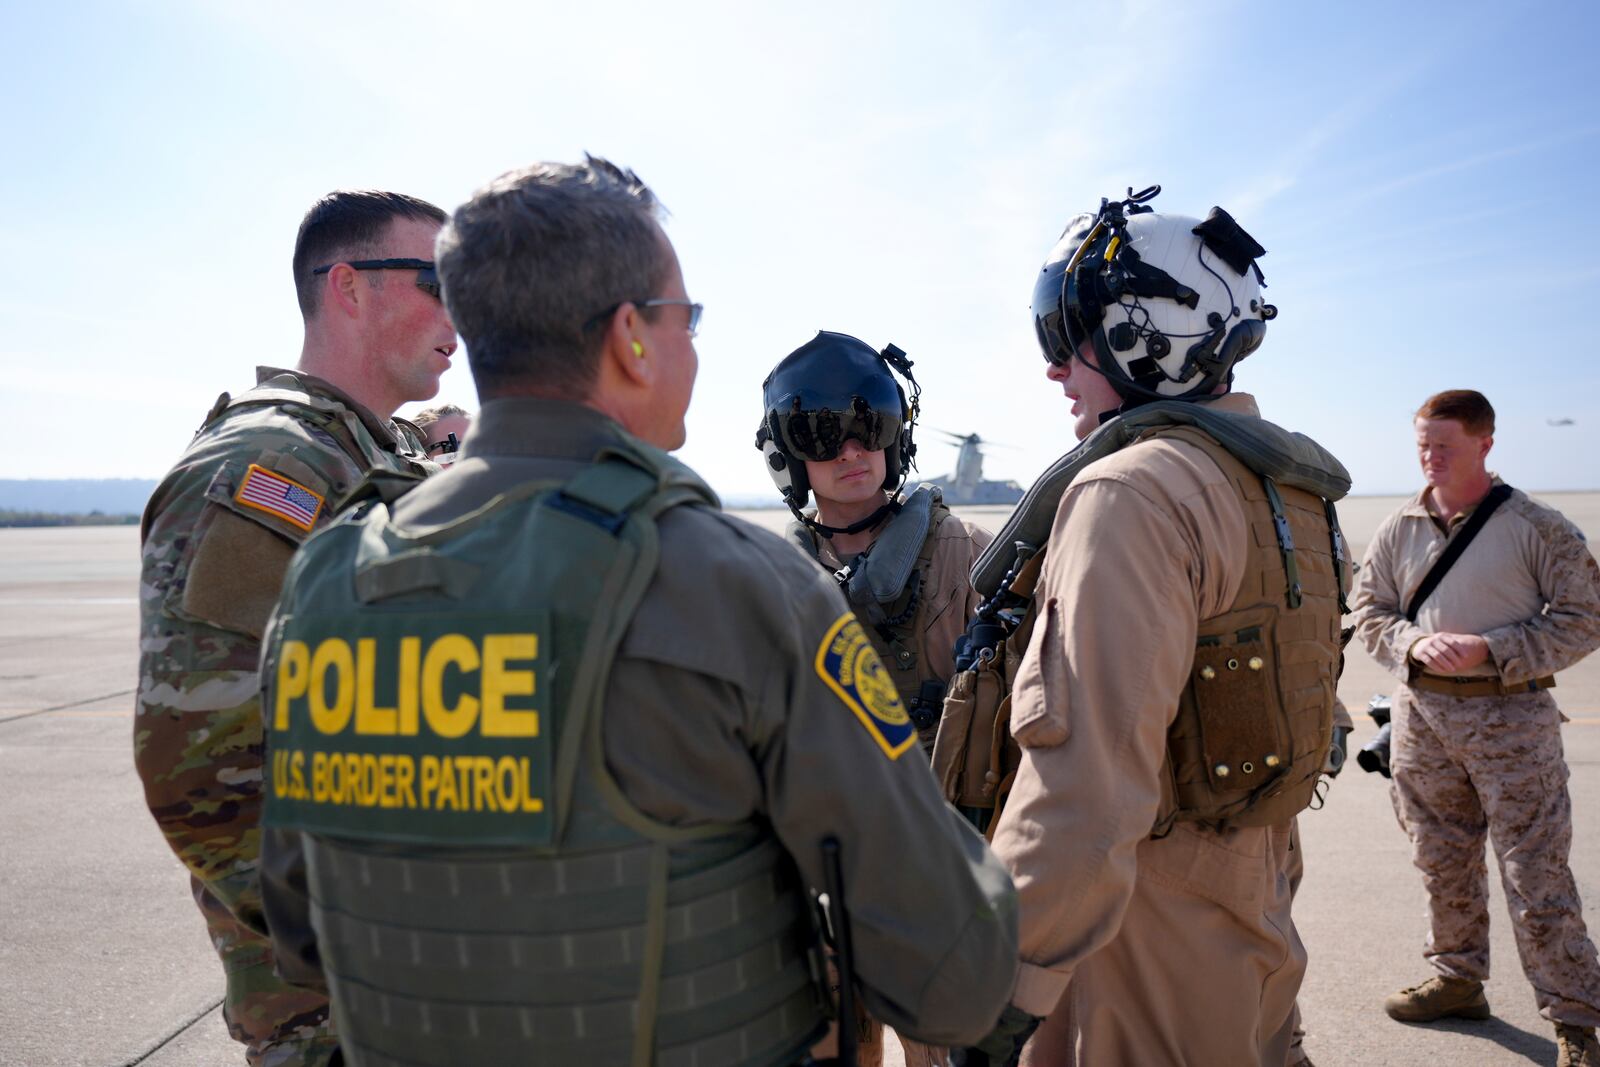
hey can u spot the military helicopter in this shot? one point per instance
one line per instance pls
(967, 484)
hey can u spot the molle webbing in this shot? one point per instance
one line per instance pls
(334, 418)
(551, 959)
(1253, 724)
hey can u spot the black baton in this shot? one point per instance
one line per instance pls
(839, 918)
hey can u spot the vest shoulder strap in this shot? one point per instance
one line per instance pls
(1291, 459)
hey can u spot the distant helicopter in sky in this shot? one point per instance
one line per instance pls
(1559, 422)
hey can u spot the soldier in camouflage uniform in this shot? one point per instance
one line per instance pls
(1477, 739)
(265, 469)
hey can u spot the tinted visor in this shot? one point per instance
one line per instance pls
(819, 434)
(1059, 313)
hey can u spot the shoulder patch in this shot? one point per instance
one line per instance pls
(277, 495)
(850, 666)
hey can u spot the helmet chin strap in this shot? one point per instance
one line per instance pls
(890, 507)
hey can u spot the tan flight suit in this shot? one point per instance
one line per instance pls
(1180, 949)
(1295, 871)
(1467, 766)
(944, 607)
(716, 711)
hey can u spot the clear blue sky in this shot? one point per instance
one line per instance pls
(1423, 176)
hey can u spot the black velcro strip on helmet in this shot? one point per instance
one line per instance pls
(1228, 240)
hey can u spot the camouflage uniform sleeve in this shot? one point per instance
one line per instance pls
(1381, 624)
(1569, 627)
(211, 568)
(933, 913)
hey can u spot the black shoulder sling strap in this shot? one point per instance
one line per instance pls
(1452, 552)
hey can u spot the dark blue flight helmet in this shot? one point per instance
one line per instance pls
(829, 390)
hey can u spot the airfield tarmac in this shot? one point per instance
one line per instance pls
(104, 960)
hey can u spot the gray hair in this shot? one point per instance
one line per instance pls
(533, 262)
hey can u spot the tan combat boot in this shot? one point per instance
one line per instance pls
(1438, 998)
(1578, 1046)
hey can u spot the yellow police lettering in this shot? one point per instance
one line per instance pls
(500, 681)
(410, 667)
(404, 772)
(294, 663)
(505, 782)
(459, 651)
(370, 718)
(332, 655)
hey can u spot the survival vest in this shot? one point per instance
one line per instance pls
(1255, 721)
(885, 586)
(482, 890)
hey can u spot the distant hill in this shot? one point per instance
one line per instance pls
(76, 496)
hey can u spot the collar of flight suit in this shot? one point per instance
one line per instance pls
(1235, 404)
(383, 430)
(1417, 506)
(536, 426)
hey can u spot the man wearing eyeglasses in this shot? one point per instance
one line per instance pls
(597, 738)
(264, 471)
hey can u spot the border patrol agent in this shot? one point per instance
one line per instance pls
(556, 745)
(837, 425)
(1180, 578)
(263, 472)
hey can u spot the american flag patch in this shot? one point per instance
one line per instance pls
(280, 496)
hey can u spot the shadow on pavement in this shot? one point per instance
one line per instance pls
(1535, 1048)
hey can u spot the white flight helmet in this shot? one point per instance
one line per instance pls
(1170, 303)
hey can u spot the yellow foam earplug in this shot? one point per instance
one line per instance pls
(638, 349)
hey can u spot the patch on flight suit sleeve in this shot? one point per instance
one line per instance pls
(277, 495)
(850, 666)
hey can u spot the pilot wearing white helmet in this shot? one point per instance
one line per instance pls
(1171, 591)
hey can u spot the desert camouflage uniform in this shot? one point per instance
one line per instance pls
(1467, 767)
(212, 567)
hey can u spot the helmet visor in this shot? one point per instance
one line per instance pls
(820, 434)
(1059, 314)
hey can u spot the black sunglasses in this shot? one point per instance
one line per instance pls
(450, 444)
(427, 274)
(695, 311)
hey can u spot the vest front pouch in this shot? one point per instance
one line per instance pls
(1256, 718)
(975, 758)
(1230, 727)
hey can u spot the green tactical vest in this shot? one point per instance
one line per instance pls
(481, 890)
